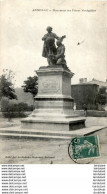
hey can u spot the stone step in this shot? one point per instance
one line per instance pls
(36, 132)
(18, 132)
(32, 136)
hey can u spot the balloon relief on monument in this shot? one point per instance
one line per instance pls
(53, 50)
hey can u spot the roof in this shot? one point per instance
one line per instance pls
(100, 83)
(84, 84)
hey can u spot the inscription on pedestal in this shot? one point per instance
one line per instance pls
(50, 86)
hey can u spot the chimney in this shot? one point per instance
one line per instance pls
(83, 80)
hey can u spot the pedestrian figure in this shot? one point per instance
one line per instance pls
(85, 110)
(74, 107)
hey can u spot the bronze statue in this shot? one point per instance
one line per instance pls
(54, 55)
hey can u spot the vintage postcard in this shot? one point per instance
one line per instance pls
(53, 82)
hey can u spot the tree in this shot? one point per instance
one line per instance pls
(7, 90)
(31, 85)
(6, 85)
(102, 96)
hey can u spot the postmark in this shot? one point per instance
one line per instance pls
(84, 149)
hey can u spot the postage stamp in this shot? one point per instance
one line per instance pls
(84, 147)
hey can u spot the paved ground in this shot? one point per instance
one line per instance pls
(44, 151)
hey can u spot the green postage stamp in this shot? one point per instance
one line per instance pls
(85, 147)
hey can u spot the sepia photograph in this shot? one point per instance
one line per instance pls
(53, 82)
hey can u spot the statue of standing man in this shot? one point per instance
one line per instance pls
(49, 47)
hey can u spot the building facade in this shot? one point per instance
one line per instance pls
(85, 94)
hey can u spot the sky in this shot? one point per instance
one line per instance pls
(22, 30)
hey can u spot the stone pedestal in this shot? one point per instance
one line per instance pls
(54, 104)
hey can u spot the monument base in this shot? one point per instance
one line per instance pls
(54, 104)
(65, 124)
